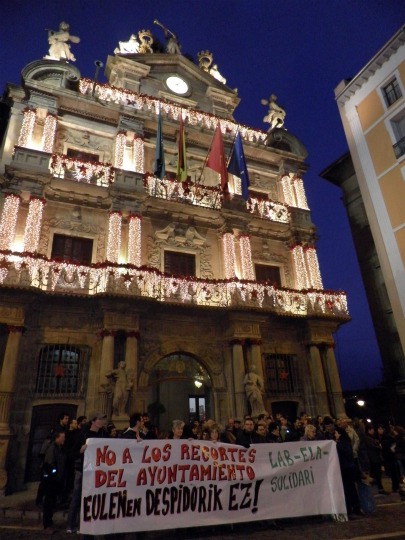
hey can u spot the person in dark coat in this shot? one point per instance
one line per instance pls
(54, 478)
(245, 437)
(348, 471)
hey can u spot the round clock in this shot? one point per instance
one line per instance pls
(177, 85)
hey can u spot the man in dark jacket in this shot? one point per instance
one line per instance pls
(246, 436)
(134, 431)
(54, 476)
(95, 429)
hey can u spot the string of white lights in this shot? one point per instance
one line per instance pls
(114, 237)
(48, 135)
(120, 144)
(8, 221)
(134, 240)
(27, 127)
(313, 268)
(139, 155)
(300, 195)
(246, 257)
(229, 255)
(301, 274)
(33, 225)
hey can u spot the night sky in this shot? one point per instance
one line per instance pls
(297, 49)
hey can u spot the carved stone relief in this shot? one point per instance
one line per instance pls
(177, 236)
(84, 140)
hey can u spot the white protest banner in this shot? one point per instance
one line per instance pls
(131, 486)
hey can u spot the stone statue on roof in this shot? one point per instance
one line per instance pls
(172, 45)
(205, 62)
(59, 48)
(128, 47)
(276, 114)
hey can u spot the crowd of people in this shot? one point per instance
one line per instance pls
(365, 451)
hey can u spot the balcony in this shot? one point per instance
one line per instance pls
(89, 172)
(22, 270)
(399, 148)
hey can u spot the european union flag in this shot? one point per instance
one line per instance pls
(237, 165)
(159, 168)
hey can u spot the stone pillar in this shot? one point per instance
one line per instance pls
(238, 365)
(131, 360)
(106, 365)
(336, 389)
(7, 383)
(318, 382)
(256, 357)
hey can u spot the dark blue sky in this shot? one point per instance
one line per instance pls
(298, 49)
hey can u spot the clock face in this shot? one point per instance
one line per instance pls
(177, 85)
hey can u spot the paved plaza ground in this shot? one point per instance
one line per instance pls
(21, 519)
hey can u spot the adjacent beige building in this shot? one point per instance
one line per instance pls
(372, 109)
(122, 291)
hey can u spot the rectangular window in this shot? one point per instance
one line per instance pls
(266, 272)
(398, 127)
(281, 374)
(70, 248)
(60, 370)
(179, 264)
(391, 92)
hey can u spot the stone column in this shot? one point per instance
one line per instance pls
(106, 365)
(336, 389)
(238, 365)
(131, 360)
(7, 383)
(318, 381)
(8, 375)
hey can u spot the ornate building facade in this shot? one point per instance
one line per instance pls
(372, 109)
(125, 290)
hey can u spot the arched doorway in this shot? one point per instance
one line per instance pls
(181, 389)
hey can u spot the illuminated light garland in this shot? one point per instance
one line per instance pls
(120, 145)
(33, 225)
(313, 268)
(134, 240)
(126, 97)
(8, 221)
(114, 237)
(147, 282)
(237, 185)
(301, 274)
(300, 194)
(228, 246)
(246, 257)
(288, 192)
(268, 209)
(196, 194)
(48, 135)
(27, 128)
(139, 155)
(101, 174)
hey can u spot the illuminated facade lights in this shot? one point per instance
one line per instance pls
(33, 225)
(301, 274)
(139, 155)
(120, 145)
(300, 194)
(246, 258)
(228, 246)
(134, 240)
(288, 191)
(48, 135)
(114, 237)
(313, 268)
(8, 221)
(122, 96)
(27, 128)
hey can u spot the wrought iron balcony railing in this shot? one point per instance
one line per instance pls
(399, 148)
(38, 272)
(100, 174)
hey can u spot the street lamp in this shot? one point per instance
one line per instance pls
(360, 402)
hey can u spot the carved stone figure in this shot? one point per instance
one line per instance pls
(254, 392)
(276, 114)
(128, 47)
(122, 381)
(59, 48)
(216, 74)
(172, 45)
